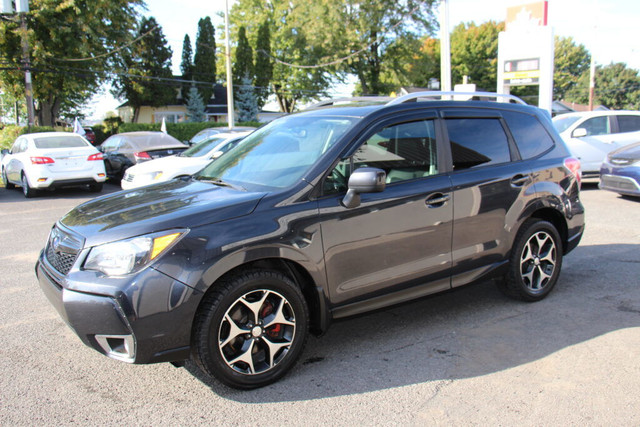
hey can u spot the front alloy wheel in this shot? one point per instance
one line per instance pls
(257, 332)
(250, 328)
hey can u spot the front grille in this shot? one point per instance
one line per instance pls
(620, 183)
(128, 177)
(62, 250)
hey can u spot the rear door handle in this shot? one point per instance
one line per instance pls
(520, 180)
(436, 200)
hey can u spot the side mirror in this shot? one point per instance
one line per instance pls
(216, 155)
(364, 180)
(4, 151)
(579, 133)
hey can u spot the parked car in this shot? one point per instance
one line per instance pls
(209, 132)
(126, 149)
(620, 171)
(591, 136)
(49, 160)
(186, 163)
(317, 216)
(90, 135)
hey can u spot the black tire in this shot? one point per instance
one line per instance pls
(95, 188)
(26, 189)
(535, 263)
(7, 184)
(243, 354)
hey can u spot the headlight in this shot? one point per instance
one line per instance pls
(155, 176)
(130, 255)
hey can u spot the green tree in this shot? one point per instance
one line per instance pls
(186, 66)
(474, 53)
(617, 87)
(195, 106)
(571, 61)
(204, 60)
(263, 65)
(243, 63)
(147, 70)
(68, 42)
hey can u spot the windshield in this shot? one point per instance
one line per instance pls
(563, 123)
(202, 135)
(71, 141)
(279, 154)
(202, 148)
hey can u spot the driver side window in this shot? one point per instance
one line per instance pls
(405, 151)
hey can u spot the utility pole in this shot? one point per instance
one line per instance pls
(230, 108)
(592, 82)
(445, 48)
(27, 71)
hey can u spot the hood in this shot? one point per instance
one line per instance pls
(169, 164)
(629, 152)
(175, 204)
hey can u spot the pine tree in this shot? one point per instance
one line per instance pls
(263, 64)
(149, 57)
(186, 66)
(195, 106)
(204, 60)
(243, 63)
(246, 101)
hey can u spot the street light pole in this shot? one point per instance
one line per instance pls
(230, 108)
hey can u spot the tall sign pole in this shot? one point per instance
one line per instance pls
(445, 48)
(27, 71)
(230, 108)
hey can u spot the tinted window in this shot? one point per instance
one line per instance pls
(629, 123)
(596, 126)
(531, 137)
(477, 142)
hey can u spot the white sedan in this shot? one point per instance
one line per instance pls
(186, 163)
(51, 160)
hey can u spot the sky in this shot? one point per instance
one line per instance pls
(609, 29)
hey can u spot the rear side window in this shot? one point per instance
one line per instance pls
(477, 142)
(531, 137)
(59, 142)
(629, 123)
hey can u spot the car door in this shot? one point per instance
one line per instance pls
(396, 245)
(489, 187)
(596, 142)
(17, 157)
(626, 129)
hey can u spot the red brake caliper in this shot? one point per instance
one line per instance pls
(267, 309)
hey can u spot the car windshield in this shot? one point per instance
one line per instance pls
(71, 141)
(202, 148)
(278, 154)
(563, 123)
(202, 135)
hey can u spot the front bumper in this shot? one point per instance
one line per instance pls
(144, 318)
(622, 180)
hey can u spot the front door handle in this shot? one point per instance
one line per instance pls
(519, 180)
(436, 200)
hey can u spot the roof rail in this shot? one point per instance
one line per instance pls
(433, 94)
(354, 99)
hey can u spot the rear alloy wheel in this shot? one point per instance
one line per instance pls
(26, 190)
(7, 184)
(251, 329)
(536, 260)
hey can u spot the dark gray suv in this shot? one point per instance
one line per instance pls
(316, 216)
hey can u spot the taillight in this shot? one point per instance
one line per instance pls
(573, 165)
(97, 156)
(142, 155)
(41, 160)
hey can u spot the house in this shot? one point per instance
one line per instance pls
(176, 112)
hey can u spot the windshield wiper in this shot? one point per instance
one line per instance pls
(221, 183)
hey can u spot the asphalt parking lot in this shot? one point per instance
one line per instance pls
(470, 357)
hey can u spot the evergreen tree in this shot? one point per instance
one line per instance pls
(246, 101)
(145, 62)
(195, 106)
(263, 64)
(243, 63)
(204, 60)
(186, 66)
